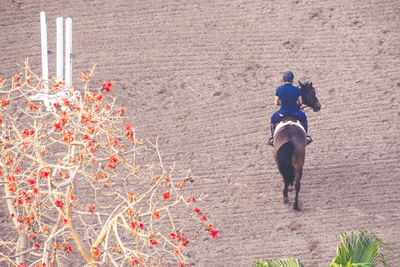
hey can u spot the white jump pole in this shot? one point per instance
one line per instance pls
(68, 53)
(45, 66)
(60, 50)
(50, 99)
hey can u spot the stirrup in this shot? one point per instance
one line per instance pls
(271, 141)
(309, 139)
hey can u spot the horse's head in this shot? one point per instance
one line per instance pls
(309, 97)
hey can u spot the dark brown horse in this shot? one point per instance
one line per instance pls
(290, 146)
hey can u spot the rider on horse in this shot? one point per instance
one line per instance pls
(290, 99)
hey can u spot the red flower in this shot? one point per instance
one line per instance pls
(25, 133)
(68, 248)
(57, 126)
(9, 160)
(121, 111)
(128, 127)
(4, 102)
(99, 97)
(166, 195)
(134, 261)
(59, 204)
(197, 210)
(32, 107)
(96, 253)
(10, 178)
(86, 117)
(214, 233)
(156, 214)
(191, 199)
(132, 196)
(172, 235)
(204, 218)
(66, 102)
(154, 242)
(84, 77)
(64, 118)
(31, 236)
(68, 137)
(112, 162)
(44, 173)
(12, 188)
(35, 190)
(181, 264)
(107, 86)
(129, 132)
(91, 208)
(37, 246)
(31, 181)
(185, 243)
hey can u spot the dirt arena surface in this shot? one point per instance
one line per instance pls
(201, 75)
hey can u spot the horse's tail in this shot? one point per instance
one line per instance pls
(285, 161)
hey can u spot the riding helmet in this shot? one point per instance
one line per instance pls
(288, 76)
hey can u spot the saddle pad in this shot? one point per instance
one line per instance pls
(283, 124)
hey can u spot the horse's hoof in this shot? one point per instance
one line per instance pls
(296, 207)
(285, 200)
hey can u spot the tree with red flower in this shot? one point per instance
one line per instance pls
(68, 158)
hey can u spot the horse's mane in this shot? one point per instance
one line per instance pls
(307, 87)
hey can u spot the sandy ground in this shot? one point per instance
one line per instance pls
(201, 76)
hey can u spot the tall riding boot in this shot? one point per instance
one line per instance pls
(271, 139)
(305, 125)
(272, 126)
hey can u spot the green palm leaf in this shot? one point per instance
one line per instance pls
(359, 248)
(279, 263)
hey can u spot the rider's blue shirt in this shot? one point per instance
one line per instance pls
(288, 94)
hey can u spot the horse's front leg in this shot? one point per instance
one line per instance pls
(299, 173)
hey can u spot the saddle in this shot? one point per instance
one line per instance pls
(285, 122)
(289, 122)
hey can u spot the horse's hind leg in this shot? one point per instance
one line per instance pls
(299, 173)
(285, 193)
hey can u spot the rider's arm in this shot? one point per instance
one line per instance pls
(300, 100)
(277, 101)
